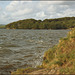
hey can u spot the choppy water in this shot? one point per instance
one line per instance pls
(23, 48)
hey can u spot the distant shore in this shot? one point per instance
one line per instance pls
(59, 23)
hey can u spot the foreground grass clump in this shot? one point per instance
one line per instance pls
(62, 56)
(60, 59)
(23, 71)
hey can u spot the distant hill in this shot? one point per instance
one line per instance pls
(58, 23)
(2, 26)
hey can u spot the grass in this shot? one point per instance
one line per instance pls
(62, 55)
(23, 71)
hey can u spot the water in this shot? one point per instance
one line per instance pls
(25, 48)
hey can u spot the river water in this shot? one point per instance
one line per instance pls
(25, 48)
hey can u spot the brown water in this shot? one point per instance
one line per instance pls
(25, 48)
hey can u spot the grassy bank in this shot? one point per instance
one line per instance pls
(60, 59)
(62, 56)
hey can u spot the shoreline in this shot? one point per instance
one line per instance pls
(38, 29)
(52, 56)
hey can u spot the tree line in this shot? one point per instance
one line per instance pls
(58, 23)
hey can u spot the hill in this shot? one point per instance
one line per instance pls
(60, 59)
(59, 23)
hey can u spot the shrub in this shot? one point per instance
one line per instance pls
(58, 63)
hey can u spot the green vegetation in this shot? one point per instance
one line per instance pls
(24, 71)
(60, 23)
(2, 26)
(62, 56)
(60, 59)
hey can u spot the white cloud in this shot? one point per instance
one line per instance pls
(17, 10)
(12, 6)
(40, 14)
(17, 5)
(22, 12)
(51, 8)
(66, 13)
(4, 18)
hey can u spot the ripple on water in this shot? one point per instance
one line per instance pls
(5, 52)
(23, 48)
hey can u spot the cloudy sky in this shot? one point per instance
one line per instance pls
(17, 10)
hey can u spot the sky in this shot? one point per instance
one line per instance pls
(11, 11)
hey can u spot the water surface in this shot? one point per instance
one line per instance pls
(25, 48)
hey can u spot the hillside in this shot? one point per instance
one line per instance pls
(59, 23)
(60, 59)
